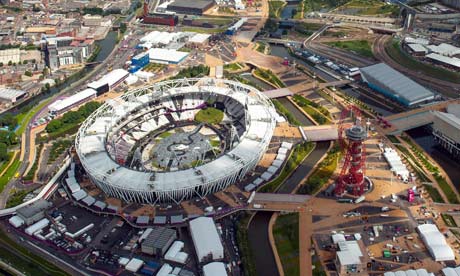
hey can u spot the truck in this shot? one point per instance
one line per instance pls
(258, 206)
(360, 199)
(385, 209)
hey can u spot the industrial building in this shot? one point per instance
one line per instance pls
(446, 129)
(10, 55)
(411, 272)
(436, 243)
(33, 212)
(166, 56)
(215, 269)
(208, 245)
(109, 81)
(196, 7)
(11, 95)
(450, 271)
(138, 62)
(394, 85)
(350, 258)
(156, 241)
(235, 27)
(62, 105)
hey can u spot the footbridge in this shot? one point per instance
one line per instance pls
(415, 118)
(303, 87)
(319, 133)
(278, 202)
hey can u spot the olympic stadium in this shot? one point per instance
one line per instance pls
(146, 146)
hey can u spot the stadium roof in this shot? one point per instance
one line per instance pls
(398, 84)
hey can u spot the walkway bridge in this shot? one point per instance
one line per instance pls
(303, 87)
(415, 118)
(278, 202)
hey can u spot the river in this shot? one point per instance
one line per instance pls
(424, 138)
(258, 229)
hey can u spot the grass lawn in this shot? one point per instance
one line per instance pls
(203, 30)
(434, 193)
(270, 77)
(275, 8)
(23, 260)
(360, 47)
(445, 187)
(165, 134)
(24, 118)
(10, 173)
(448, 220)
(233, 66)
(58, 148)
(371, 7)
(319, 113)
(261, 47)
(299, 153)
(316, 5)
(395, 52)
(285, 112)
(16, 198)
(286, 234)
(209, 115)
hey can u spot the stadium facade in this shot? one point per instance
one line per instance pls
(112, 139)
(394, 85)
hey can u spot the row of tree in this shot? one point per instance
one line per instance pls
(72, 117)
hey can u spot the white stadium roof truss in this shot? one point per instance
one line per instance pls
(152, 187)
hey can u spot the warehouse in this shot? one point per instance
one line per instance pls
(158, 240)
(166, 56)
(450, 62)
(214, 269)
(446, 129)
(394, 85)
(33, 212)
(208, 245)
(435, 243)
(109, 81)
(60, 106)
(12, 95)
(196, 7)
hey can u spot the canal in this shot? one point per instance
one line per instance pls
(258, 229)
(424, 139)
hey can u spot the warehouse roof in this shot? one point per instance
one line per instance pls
(34, 208)
(70, 101)
(205, 237)
(167, 55)
(410, 272)
(418, 48)
(444, 49)
(11, 94)
(196, 4)
(214, 269)
(402, 86)
(452, 61)
(436, 243)
(199, 38)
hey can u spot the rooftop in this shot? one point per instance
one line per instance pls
(196, 4)
(34, 208)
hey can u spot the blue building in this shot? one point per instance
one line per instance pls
(140, 60)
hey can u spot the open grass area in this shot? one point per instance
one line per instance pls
(25, 261)
(298, 154)
(260, 47)
(322, 173)
(58, 148)
(434, 193)
(24, 118)
(275, 8)
(393, 139)
(247, 257)
(269, 76)
(209, 115)
(233, 66)
(370, 7)
(285, 112)
(203, 30)
(154, 67)
(447, 190)
(286, 234)
(319, 113)
(16, 198)
(448, 220)
(360, 47)
(10, 173)
(317, 5)
(397, 54)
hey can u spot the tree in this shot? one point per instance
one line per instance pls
(3, 152)
(10, 63)
(53, 125)
(24, 62)
(1, 64)
(28, 73)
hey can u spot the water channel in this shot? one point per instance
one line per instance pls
(258, 229)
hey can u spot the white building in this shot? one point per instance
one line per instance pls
(166, 56)
(60, 106)
(410, 272)
(215, 269)
(208, 245)
(11, 95)
(435, 243)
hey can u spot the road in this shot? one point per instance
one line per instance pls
(448, 89)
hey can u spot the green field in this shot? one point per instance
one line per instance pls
(233, 66)
(296, 157)
(275, 8)
(269, 76)
(370, 7)
(360, 47)
(203, 30)
(24, 118)
(16, 198)
(395, 52)
(286, 234)
(317, 5)
(448, 220)
(23, 260)
(434, 193)
(285, 112)
(322, 173)
(10, 173)
(209, 115)
(319, 113)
